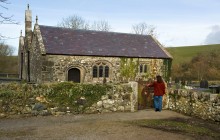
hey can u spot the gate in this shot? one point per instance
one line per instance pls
(144, 100)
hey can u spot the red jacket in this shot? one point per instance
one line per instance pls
(159, 88)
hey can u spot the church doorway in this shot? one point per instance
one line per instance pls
(74, 75)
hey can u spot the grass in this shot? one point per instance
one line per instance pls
(186, 53)
(16, 133)
(185, 127)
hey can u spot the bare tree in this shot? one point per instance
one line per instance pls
(101, 26)
(74, 22)
(144, 29)
(6, 50)
(5, 19)
(77, 22)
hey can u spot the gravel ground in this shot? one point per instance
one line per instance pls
(109, 126)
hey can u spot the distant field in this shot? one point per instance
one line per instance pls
(186, 53)
(9, 64)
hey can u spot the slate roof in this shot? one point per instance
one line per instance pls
(64, 41)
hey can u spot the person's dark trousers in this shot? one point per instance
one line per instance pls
(158, 103)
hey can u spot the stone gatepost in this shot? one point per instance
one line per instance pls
(134, 96)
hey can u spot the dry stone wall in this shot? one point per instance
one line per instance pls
(200, 104)
(33, 100)
(118, 100)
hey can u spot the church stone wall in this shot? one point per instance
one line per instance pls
(55, 67)
(35, 61)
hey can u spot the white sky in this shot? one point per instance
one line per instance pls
(178, 22)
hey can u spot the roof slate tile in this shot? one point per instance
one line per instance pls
(64, 41)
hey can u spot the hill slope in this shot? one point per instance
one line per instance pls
(186, 53)
(9, 64)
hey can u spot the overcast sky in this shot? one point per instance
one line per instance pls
(178, 22)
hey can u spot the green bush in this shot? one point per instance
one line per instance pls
(66, 94)
(76, 95)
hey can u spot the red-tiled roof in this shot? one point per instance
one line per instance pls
(65, 41)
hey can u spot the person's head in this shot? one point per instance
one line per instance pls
(159, 79)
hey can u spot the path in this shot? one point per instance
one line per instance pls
(108, 126)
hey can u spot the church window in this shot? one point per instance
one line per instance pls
(100, 70)
(95, 71)
(143, 68)
(106, 71)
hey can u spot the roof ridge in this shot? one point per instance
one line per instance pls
(112, 32)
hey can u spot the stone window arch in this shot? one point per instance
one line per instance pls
(100, 70)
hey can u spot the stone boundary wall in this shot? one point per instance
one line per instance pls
(194, 103)
(122, 98)
(9, 80)
(117, 100)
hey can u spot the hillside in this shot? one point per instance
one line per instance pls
(9, 64)
(186, 53)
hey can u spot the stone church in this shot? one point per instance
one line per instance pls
(56, 54)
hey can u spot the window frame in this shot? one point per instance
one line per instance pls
(102, 70)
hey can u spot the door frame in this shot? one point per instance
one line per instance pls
(81, 69)
(78, 74)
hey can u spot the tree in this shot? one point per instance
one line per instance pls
(203, 66)
(5, 19)
(128, 68)
(74, 22)
(77, 22)
(144, 29)
(6, 50)
(101, 26)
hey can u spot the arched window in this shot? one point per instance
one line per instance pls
(106, 71)
(100, 70)
(95, 71)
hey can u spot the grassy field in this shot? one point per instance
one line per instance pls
(9, 64)
(186, 53)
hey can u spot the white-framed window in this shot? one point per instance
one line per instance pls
(142, 68)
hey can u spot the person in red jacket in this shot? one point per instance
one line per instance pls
(159, 91)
